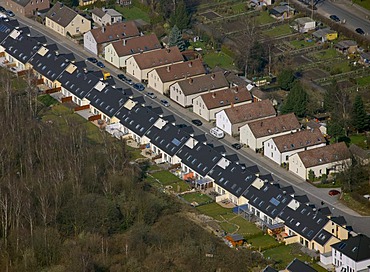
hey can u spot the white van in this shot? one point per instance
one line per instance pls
(218, 133)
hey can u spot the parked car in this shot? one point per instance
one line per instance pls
(181, 125)
(10, 13)
(93, 60)
(197, 122)
(360, 31)
(165, 103)
(138, 86)
(122, 77)
(100, 64)
(237, 146)
(334, 192)
(151, 95)
(2, 9)
(218, 133)
(335, 18)
(129, 81)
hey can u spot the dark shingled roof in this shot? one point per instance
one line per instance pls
(269, 269)
(356, 248)
(323, 237)
(61, 14)
(6, 27)
(299, 266)
(22, 48)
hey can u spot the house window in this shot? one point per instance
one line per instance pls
(77, 29)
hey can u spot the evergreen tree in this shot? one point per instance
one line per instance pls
(296, 101)
(335, 129)
(180, 17)
(175, 39)
(359, 116)
(286, 79)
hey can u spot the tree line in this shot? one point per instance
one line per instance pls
(70, 203)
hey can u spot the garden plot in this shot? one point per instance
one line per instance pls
(300, 60)
(314, 74)
(210, 15)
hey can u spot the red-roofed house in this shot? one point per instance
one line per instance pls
(207, 105)
(96, 39)
(117, 53)
(324, 160)
(255, 133)
(138, 66)
(232, 119)
(160, 79)
(280, 148)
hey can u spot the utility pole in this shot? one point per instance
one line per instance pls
(312, 9)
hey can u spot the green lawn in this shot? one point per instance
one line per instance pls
(47, 100)
(239, 8)
(301, 44)
(278, 31)
(246, 228)
(359, 140)
(363, 81)
(363, 3)
(135, 153)
(283, 255)
(262, 242)
(166, 178)
(264, 18)
(213, 210)
(326, 54)
(132, 13)
(340, 67)
(219, 59)
(196, 197)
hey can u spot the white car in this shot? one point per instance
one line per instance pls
(218, 133)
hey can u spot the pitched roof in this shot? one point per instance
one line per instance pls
(116, 31)
(169, 138)
(359, 152)
(304, 220)
(6, 27)
(136, 45)
(346, 44)
(249, 112)
(180, 70)
(23, 3)
(340, 220)
(356, 248)
(304, 20)
(269, 199)
(226, 97)
(98, 12)
(203, 83)
(269, 269)
(139, 119)
(61, 14)
(22, 47)
(326, 154)
(299, 139)
(299, 266)
(323, 32)
(156, 58)
(323, 237)
(274, 125)
(233, 179)
(201, 158)
(49, 63)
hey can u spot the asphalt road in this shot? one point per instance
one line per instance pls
(247, 156)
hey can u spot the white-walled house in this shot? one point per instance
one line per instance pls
(255, 133)
(103, 17)
(138, 66)
(352, 255)
(322, 161)
(184, 91)
(232, 119)
(280, 148)
(160, 79)
(207, 105)
(117, 53)
(96, 39)
(304, 24)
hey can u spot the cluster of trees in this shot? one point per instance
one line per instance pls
(68, 203)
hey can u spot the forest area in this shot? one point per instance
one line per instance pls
(69, 203)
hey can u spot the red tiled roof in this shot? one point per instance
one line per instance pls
(249, 112)
(158, 58)
(117, 31)
(226, 97)
(181, 70)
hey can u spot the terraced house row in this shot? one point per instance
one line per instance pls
(291, 217)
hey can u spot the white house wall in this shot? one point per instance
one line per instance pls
(90, 43)
(223, 122)
(111, 56)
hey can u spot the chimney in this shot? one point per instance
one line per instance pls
(190, 64)
(168, 68)
(214, 95)
(190, 81)
(213, 76)
(124, 42)
(103, 29)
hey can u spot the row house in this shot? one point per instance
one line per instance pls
(185, 91)
(280, 148)
(27, 8)
(138, 66)
(160, 79)
(255, 133)
(232, 119)
(97, 39)
(207, 105)
(117, 53)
